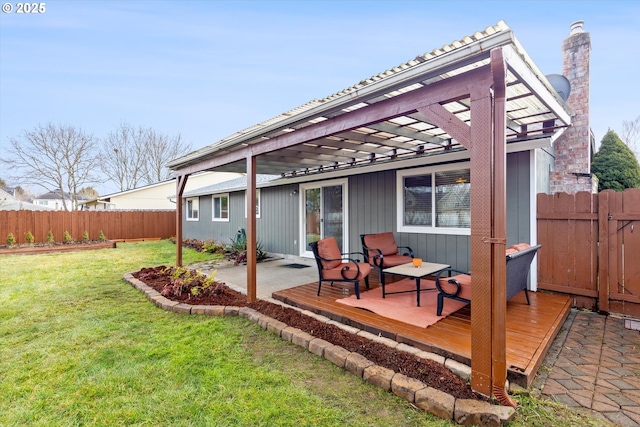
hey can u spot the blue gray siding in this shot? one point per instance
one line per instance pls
(372, 209)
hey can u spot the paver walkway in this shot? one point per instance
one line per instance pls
(596, 365)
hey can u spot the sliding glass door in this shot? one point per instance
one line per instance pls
(323, 214)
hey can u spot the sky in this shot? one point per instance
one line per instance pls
(206, 69)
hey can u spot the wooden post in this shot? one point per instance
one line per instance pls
(181, 182)
(604, 212)
(499, 231)
(251, 227)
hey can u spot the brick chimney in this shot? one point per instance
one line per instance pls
(573, 150)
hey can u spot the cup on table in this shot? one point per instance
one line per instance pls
(417, 262)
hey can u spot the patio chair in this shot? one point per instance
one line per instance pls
(381, 251)
(458, 287)
(333, 268)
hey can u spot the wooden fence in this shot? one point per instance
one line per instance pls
(114, 224)
(590, 248)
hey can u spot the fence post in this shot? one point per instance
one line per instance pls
(603, 251)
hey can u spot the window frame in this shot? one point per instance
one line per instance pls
(431, 229)
(258, 203)
(189, 213)
(213, 208)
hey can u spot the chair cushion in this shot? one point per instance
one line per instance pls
(465, 285)
(393, 260)
(383, 241)
(351, 274)
(519, 247)
(328, 248)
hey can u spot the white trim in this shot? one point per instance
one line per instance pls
(533, 223)
(258, 204)
(197, 210)
(213, 208)
(400, 174)
(304, 252)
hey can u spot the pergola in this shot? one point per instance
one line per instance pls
(472, 98)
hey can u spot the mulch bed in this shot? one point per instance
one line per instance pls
(429, 372)
(41, 248)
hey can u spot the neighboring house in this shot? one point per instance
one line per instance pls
(395, 168)
(57, 200)
(158, 196)
(9, 203)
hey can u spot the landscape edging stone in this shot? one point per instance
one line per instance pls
(436, 402)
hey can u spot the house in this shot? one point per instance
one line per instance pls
(447, 150)
(58, 200)
(157, 196)
(9, 203)
(405, 160)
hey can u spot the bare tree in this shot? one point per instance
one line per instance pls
(123, 156)
(160, 150)
(631, 133)
(60, 158)
(135, 156)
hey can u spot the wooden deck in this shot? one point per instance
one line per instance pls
(531, 329)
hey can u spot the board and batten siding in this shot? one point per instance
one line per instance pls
(372, 209)
(276, 228)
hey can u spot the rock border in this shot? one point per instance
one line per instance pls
(443, 405)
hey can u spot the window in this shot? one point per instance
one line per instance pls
(221, 207)
(257, 204)
(192, 209)
(435, 200)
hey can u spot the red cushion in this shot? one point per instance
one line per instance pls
(385, 242)
(520, 247)
(328, 248)
(351, 274)
(465, 285)
(393, 260)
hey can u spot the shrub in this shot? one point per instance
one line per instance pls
(238, 249)
(101, 236)
(85, 236)
(50, 238)
(67, 237)
(190, 281)
(212, 247)
(11, 240)
(28, 236)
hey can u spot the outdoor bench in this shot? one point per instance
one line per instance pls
(458, 287)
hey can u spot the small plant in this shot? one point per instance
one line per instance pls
(189, 281)
(212, 247)
(50, 238)
(85, 236)
(101, 236)
(28, 236)
(11, 240)
(238, 249)
(67, 237)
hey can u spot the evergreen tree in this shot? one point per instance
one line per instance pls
(615, 165)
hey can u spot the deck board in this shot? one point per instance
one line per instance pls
(529, 335)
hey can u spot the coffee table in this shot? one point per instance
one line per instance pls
(408, 270)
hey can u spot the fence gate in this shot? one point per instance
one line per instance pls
(620, 252)
(591, 248)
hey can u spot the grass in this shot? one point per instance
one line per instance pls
(79, 346)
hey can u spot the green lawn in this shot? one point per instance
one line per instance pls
(79, 346)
